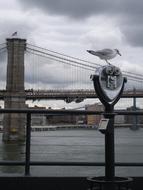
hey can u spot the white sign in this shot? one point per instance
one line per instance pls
(103, 124)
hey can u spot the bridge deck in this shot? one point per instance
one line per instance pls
(68, 95)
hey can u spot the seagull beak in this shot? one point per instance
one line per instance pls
(119, 54)
(89, 51)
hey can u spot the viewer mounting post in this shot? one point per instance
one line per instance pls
(14, 124)
(108, 84)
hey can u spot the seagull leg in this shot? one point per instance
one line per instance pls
(107, 62)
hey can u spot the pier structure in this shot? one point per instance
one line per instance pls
(14, 123)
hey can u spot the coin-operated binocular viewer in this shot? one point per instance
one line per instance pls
(108, 84)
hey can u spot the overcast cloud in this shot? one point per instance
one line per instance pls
(72, 27)
(128, 13)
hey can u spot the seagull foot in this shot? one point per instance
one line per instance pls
(108, 62)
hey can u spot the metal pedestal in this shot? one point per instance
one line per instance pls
(118, 183)
(109, 84)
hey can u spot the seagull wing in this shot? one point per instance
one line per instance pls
(107, 51)
(103, 52)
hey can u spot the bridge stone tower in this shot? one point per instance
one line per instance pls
(14, 123)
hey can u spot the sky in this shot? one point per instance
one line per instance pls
(72, 27)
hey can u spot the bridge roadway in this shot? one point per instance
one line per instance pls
(66, 95)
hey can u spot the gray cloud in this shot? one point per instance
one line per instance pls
(70, 8)
(128, 13)
(133, 34)
(83, 8)
(8, 27)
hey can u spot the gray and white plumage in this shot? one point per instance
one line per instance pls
(105, 54)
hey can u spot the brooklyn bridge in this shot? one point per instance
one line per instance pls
(69, 81)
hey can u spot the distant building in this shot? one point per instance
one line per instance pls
(119, 120)
(38, 119)
(94, 119)
(130, 119)
(1, 118)
(80, 119)
(61, 119)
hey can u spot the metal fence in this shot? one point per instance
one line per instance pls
(27, 162)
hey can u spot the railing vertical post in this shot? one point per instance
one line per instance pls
(109, 146)
(28, 140)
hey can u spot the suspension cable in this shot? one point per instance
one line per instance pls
(133, 78)
(61, 58)
(97, 64)
(89, 62)
(2, 44)
(61, 61)
(56, 58)
(2, 48)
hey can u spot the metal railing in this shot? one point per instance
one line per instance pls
(27, 163)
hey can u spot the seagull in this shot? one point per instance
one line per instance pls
(105, 54)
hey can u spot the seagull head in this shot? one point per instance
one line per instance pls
(89, 51)
(117, 51)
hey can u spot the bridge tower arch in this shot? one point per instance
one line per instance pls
(14, 123)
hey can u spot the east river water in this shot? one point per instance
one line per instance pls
(75, 145)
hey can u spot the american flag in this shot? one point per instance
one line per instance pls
(14, 34)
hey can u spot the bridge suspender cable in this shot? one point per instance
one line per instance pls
(78, 64)
(89, 62)
(61, 58)
(134, 78)
(2, 44)
(71, 57)
(54, 59)
(83, 66)
(3, 48)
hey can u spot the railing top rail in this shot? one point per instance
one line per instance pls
(70, 112)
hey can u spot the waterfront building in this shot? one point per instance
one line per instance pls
(38, 119)
(94, 119)
(61, 119)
